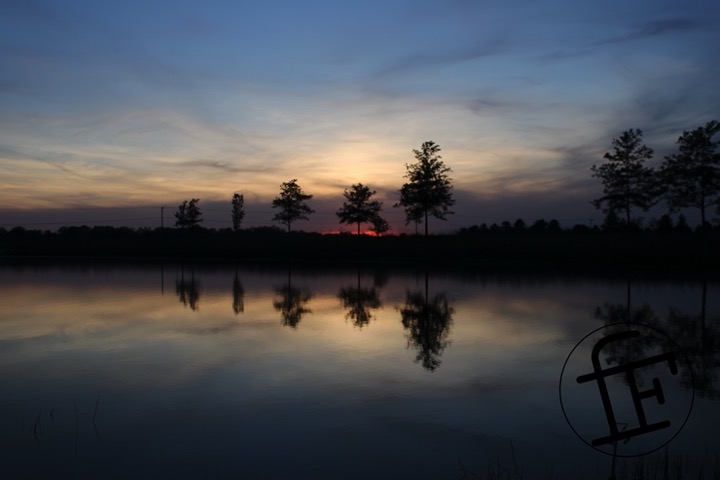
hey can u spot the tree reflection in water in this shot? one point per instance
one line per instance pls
(696, 335)
(238, 295)
(624, 351)
(359, 301)
(188, 290)
(428, 323)
(291, 303)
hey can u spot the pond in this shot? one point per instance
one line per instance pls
(192, 371)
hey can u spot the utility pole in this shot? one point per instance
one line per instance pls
(162, 217)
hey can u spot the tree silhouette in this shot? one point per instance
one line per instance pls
(627, 183)
(291, 203)
(188, 214)
(238, 210)
(428, 324)
(429, 190)
(380, 226)
(692, 177)
(359, 301)
(611, 221)
(357, 207)
(291, 303)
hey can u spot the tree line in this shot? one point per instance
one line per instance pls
(687, 179)
(427, 193)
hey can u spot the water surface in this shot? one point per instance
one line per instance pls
(235, 372)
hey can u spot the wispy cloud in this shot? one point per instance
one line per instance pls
(652, 29)
(224, 166)
(103, 105)
(431, 60)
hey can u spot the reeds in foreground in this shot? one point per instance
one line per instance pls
(658, 466)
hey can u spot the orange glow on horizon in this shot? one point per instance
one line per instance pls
(366, 232)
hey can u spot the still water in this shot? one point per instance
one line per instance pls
(236, 372)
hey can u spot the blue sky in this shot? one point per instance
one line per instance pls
(109, 110)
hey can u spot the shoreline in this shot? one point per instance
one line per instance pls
(672, 254)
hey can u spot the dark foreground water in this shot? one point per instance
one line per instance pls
(199, 372)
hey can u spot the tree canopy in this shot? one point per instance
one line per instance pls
(627, 182)
(291, 204)
(188, 214)
(357, 207)
(380, 226)
(429, 189)
(238, 210)
(692, 176)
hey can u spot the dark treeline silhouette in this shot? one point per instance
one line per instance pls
(689, 179)
(663, 245)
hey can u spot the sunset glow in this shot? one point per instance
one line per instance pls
(135, 106)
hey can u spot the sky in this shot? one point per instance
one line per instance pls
(111, 110)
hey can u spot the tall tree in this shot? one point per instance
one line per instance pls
(692, 177)
(188, 214)
(429, 190)
(291, 203)
(627, 182)
(357, 207)
(238, 210)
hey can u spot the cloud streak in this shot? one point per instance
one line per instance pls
(122, 106)
(653, 29)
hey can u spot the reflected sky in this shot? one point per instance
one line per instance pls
(313, 399)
